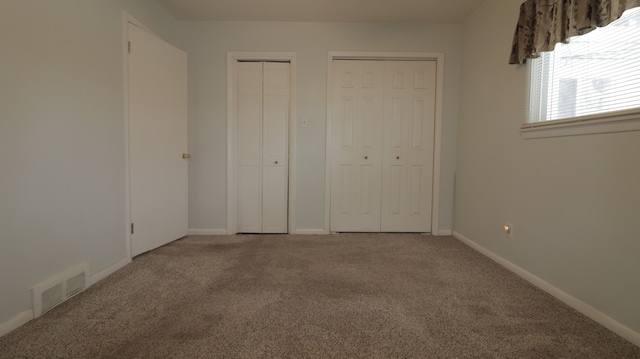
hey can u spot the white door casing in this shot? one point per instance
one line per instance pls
(157, 117)
(262, 119)
(382, 145)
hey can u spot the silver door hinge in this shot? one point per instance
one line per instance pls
(132, 228)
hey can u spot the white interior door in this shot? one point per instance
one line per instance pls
(407, 165)
(275, 166)
(356, 132)
(383, 117)
(263, 120)
(250, 147)
(157, 141)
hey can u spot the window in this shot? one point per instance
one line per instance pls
(594, 80)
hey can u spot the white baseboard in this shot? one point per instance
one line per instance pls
(310, 231)
(575, 303)
(206, 232)
(22, 318)
(16, 322)
(109, 270)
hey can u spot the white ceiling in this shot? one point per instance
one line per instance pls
(432, 11)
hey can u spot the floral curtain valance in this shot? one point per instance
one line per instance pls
(544, 23)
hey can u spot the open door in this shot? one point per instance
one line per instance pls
(158, 149)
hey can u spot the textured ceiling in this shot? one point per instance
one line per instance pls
(432, 11)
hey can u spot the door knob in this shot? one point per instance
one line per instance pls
(186, 156)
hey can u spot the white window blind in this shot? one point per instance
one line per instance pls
(596, 73)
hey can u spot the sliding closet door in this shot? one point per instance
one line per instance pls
(263, 119)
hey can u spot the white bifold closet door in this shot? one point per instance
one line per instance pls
(383, 117)
(263, 120)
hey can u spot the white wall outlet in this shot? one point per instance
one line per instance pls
(507, 228)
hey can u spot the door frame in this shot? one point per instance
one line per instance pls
(438, 57)
(232, 132)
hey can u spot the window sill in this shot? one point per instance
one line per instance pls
(622, 121)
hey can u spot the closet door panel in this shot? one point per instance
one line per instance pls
(249, 147)
(382, 131)
(407, 174)
(249, 199)
(263, 120)
(275, 150)
(356, 147)
(275, 199)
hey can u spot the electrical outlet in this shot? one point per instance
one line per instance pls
(507, 228)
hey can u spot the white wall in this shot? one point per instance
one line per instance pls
(574, 201)
(208, 43)
(62, 139)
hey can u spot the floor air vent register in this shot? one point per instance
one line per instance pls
(55, 291)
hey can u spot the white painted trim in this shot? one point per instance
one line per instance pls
(109, 270)
(437, 144)
(310, 231)
(26, 316)
(445, 232)
(621, 121)
(575, 303)
(232, 133)
(206, 232)
(16, 322)
(327, 146)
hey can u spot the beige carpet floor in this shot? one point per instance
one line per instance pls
(337, 296)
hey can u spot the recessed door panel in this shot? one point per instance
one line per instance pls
(415, 190)
(276, 122)
(395, 189)
(274, 205)
(249, 125)
(367, 123)
(365, 197)
(397, 122)
(348, 112)
(418, 122)
(345, 189)
(249, 199)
